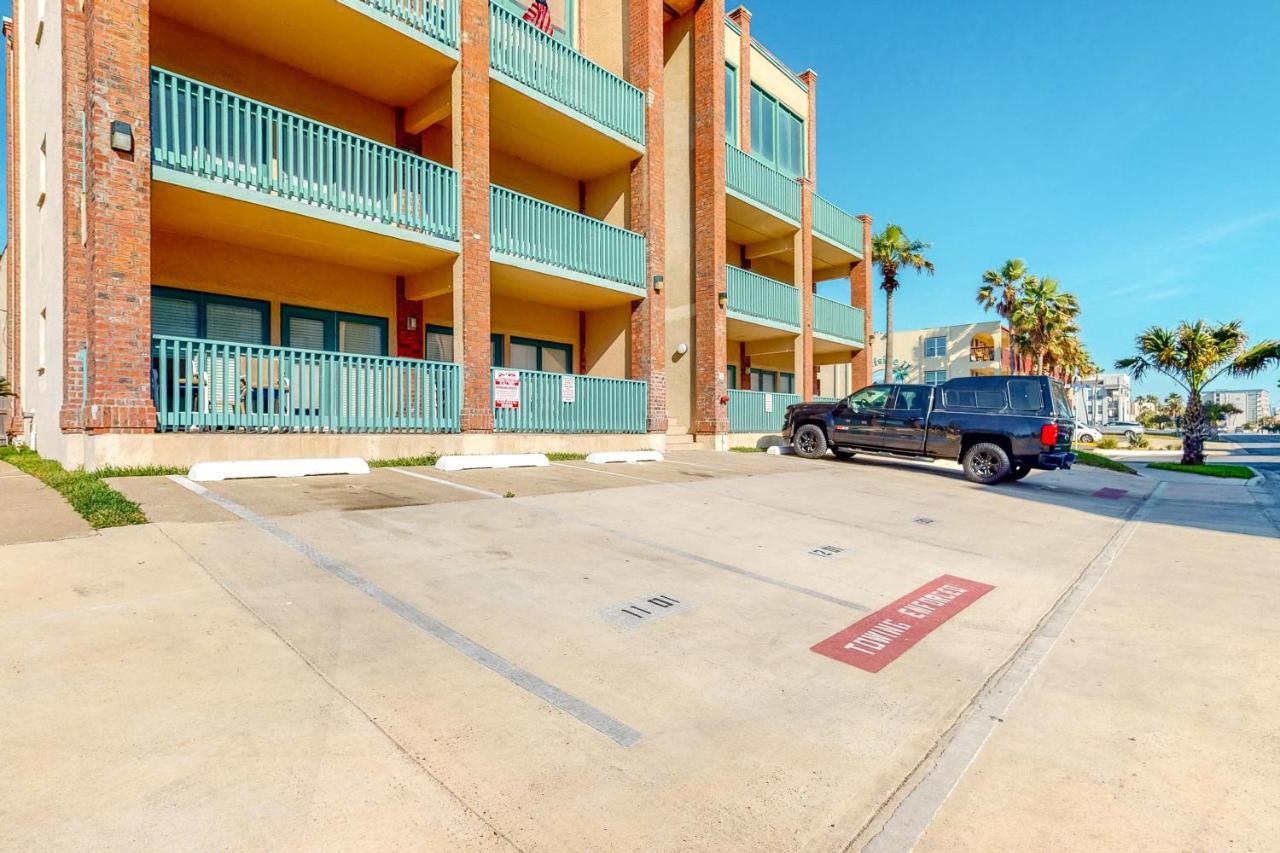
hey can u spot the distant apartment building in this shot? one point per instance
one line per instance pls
(391, 227)
(1254, 405)
(931, 357)
(1104, 399)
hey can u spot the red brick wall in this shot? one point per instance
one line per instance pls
(806, 375)
(861, 292)
(106, 67)
(13, 336)
(710, 415)
(742, 18)
(647, 213)
(471, 284)
(409, 342)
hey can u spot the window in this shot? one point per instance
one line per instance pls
(772, 382)
(547, 356)
(209, 316)
(982, 348)
(332, 331)
(732, 382)
(874, 397)
(912, 398)
(731, 104)
(777, 134)
(968, 397)
(440, 345)
(1025, 395)
(935, 347)
(935, 377)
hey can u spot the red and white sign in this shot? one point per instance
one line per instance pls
(568, 389)
(506, 389)
(874, 642)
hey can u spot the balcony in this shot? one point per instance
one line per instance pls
(563, 403)
(837, 323)
(230, 168)
(758, 411)
(760, 185)
(839, 238)
(552, 106)
(212, 386)
(550, 254)
(393, 51)
(760, 301)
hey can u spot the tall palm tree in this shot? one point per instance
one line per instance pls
(892, 250)
(1044, 314)
(1000, 291)
(1173, 406)
(1194, 355)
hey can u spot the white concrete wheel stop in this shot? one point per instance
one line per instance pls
(781, 450)
(624, 456)
(209, 472)
(472, 463)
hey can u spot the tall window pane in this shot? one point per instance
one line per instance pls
(239, 323)
(176, 317)
(361, 338)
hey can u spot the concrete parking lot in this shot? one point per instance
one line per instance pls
(622, 658)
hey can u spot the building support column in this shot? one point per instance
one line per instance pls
(710, 409)
(107, 231)
(13, 304)
(742, 18)
(648, 212)
(806, 374)
(471, 283)
(409, 331)
(860, 291)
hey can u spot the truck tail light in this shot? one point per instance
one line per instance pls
(1049, 435)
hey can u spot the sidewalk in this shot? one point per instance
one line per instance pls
(30, 511)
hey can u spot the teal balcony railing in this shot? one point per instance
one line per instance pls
(747, 176)
(530, 228)
(832, 319)
(758, 411)
(436, 18)
(835, 225)
(200, 385)
(215, 134)
(563, 403)
(757, 299)
(553, 69)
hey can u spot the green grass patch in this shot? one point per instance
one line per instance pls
(1225, 472)
(110, 471)
(746, 450)
(404, 462)
(565, 457)
(95, 501)
(1095, 460)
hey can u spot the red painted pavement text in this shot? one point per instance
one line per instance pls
(874, 642)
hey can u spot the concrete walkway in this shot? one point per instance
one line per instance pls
(30, 511)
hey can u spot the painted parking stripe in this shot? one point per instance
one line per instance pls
(459, 486)
(600, 471)
(615, 730)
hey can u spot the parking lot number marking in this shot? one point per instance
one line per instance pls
(826, 551)
(874, 642)
(644, 610)
(1111, 494)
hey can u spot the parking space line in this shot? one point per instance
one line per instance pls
(618, 732)
(596, 470)
(461, 486)
(966, 739)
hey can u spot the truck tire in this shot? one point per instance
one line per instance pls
(1019, 472)
(986, 463)
(810, 442)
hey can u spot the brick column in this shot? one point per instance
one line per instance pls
(860, 296)
(471, 285)
(13, 336)
(409, 341)
(648, 212)
(710, 415)
(742, 18)
(107, 345)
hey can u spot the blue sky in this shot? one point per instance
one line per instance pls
(1132, 149)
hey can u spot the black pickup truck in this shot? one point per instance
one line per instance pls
(998, 427)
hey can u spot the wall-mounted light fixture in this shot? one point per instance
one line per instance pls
(122, 136)
(682, 349)
(658, 282)
(411, 324)
(724, 299)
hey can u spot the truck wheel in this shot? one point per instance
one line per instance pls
(1018, 473)
(986, 463)
(810, 442)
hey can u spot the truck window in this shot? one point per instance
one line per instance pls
(1025, 395)
(1061, 400)
(871, 398)
(913, 398)
(967, 398)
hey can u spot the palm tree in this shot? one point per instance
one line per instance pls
(1173, 406)
(892, 250)
(1000, 290)
(1042, 317)
(1194, 355)
(6, 390)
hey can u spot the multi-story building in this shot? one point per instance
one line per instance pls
(380, 227)
(1254, 405)
(931, 357)
(1103, 399)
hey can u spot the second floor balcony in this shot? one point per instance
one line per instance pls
(761, 301)
(838, 323)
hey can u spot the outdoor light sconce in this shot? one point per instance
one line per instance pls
(658, 282)
(682, 349)
(122, 136)
(724, 299)
(411, 324)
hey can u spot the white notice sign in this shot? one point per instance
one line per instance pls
(568, 389)
(506, 389)
(768, 403)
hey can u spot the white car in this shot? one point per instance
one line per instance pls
(1128, 429)
(1086, 434)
